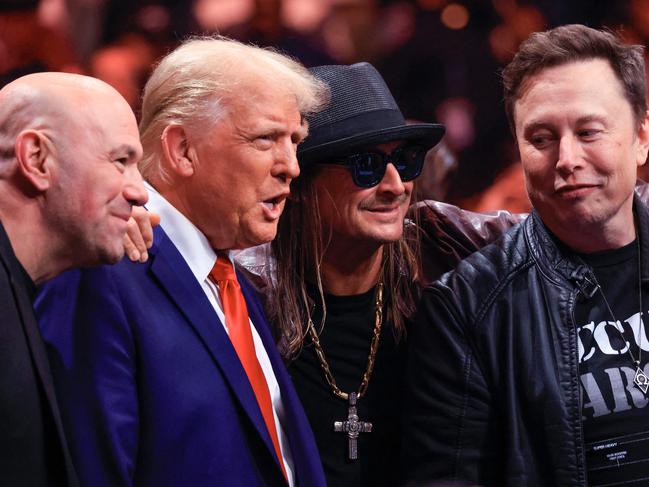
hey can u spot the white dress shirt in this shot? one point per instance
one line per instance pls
(200, 257)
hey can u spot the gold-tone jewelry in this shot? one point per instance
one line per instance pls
(352, 426)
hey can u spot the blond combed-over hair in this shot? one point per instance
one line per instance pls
(191, 87)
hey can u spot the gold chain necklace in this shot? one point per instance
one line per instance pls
(353, 426)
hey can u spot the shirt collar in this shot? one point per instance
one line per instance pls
(189, 240)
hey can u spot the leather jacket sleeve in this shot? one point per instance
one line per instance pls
(448, 409)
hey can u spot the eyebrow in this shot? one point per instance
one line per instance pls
(129, 150)
(591, 118)
(536, 125)
(270, 125)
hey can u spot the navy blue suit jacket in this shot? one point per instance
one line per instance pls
(151, 389)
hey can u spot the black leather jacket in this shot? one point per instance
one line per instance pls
(494, 395)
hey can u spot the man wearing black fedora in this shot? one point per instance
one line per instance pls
(344, 271)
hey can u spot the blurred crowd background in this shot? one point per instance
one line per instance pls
(440, 58)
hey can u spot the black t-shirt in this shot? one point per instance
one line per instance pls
(615, 416)
(346, 339)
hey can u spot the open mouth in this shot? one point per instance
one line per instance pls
(273, 206)
(273, 203)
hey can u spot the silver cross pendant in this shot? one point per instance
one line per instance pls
(353, 427)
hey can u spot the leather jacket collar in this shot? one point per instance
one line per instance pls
(560, 265)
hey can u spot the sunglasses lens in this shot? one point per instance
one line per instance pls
(367, 169)
(409, 161)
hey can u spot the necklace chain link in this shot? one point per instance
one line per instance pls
(376, 334)
(616, 321)
(641, 380)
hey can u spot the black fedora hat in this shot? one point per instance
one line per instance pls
(362, 112)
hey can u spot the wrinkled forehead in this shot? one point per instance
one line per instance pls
(266, 109)
(598, 74)
(255, 91)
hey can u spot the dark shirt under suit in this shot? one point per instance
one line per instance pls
(33, 451)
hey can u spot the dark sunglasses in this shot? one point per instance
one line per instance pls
(368, 168)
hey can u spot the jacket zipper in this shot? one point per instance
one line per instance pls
(581, 446)
(579, 276)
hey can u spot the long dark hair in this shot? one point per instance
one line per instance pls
(299, 248)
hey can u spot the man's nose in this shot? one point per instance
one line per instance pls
(391, 182)
(134, 190)
(568, 157)
(286, 164)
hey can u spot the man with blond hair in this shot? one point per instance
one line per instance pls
(68, 179)
(168, 370)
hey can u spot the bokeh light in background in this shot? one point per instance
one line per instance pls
(214, 15)
(455, 16)
(441, 58)
(305, 15)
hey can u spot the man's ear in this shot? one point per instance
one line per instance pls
(32, 153)
(643, 140)
(178, 152)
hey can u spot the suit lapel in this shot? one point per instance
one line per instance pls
(306, 460)
(173, 274)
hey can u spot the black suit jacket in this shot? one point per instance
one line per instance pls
(33, 451)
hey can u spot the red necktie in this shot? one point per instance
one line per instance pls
(238, 323)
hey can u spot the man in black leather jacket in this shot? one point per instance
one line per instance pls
(526, 365)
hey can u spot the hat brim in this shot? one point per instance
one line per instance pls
(426, 134)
